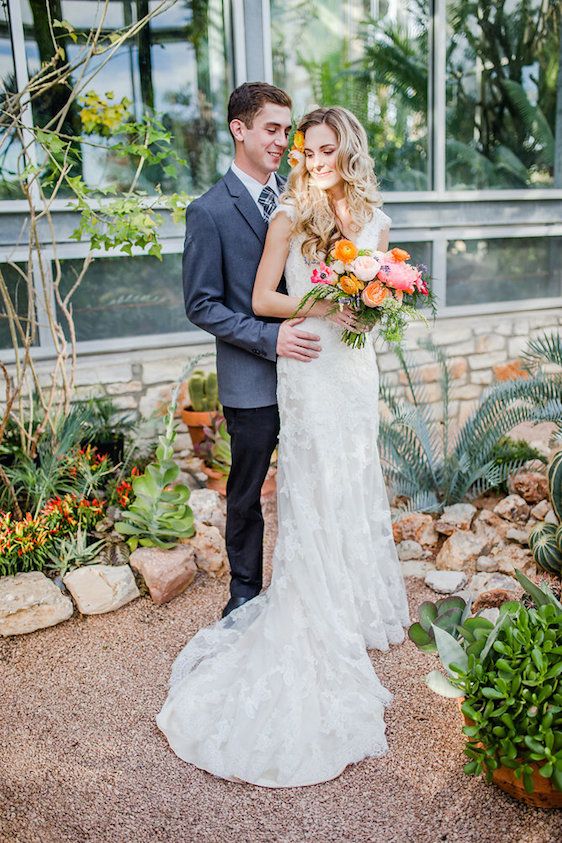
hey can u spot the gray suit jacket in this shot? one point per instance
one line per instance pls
(224, 241)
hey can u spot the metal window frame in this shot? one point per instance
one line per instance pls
(240, 10)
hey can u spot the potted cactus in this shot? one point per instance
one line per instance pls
(545, 540)
(507, 677)
(204, 404)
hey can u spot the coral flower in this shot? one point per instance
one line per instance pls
(399, 275)
(350, 284)
(344, 251)
(400, 254)
(374, 294)
(298, 141)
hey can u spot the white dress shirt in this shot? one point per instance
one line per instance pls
(253, 186)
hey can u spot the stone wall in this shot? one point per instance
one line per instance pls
(477, 347)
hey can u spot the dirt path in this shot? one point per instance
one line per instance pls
(82, 760)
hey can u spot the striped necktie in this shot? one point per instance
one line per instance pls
(268, 201)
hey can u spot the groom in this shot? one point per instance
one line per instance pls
(225, 236)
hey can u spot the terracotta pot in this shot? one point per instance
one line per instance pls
(197, 421)
(544, 794)
(217, 481)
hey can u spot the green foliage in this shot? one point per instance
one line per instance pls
(73, 552)
(159, 515)
(432, 468)
(510, 675)
(215, 448)
(508, 450)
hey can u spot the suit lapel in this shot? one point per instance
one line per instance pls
(246, 205)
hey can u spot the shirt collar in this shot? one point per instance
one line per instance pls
(252, 185)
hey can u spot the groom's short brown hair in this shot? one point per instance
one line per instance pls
(246, 100)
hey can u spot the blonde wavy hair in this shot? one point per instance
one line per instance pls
(315, 213)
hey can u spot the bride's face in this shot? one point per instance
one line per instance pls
(320, 153)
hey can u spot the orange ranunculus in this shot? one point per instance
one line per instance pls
(298, 141)
(345, 251)
(350, 284)
(400, 254)
(374, 294)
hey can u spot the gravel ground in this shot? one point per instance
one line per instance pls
(82, 758)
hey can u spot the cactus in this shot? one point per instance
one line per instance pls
(545, 540)
(555, 484)
(203, 391)
(544, 546)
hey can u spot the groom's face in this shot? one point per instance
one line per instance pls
(262, 145)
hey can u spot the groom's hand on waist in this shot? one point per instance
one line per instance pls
(293, 342)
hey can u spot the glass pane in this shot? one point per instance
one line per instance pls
(18, 293)
(420, 252)
(370, 56)
(125, 297)
(507, 269)
(503, 94)
(10, 146)
(178, 65)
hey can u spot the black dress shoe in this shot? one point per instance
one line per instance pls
(234, 603)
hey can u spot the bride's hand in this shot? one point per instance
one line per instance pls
(346, 318)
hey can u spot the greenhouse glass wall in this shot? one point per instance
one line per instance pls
(462, 104)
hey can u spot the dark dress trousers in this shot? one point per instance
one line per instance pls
(225, 236)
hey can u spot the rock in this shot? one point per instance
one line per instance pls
(506, 567)
(30, 601)
(461, 550)
(456, 517)
(511, 557)
(445, 582)
(510, 371)
(210, 550)
(492, 599)
(209, 508)
(532, 486)
(166, 572)
(416, 526)
(519, 536)
(550, 517)
(491, 614)
(490, 526)
(409, 549)
(487, 564)
(513, 508)
(540, 510)
(415, 568)
(487, 582)
(101, 588)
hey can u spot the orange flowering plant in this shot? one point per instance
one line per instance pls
(382, 287)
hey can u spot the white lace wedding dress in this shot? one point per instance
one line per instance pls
(282, 692)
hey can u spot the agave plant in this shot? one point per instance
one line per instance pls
(431, 466)
(449, 613)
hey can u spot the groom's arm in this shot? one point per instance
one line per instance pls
(203, 290)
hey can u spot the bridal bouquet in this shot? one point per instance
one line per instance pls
(382, 287)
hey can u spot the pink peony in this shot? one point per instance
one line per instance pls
(398, 275)
(365, 267)
(323, 275)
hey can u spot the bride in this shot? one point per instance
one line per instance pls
(282, 691)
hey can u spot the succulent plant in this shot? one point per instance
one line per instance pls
(159, 515)
(447, 613)
(510, 678)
